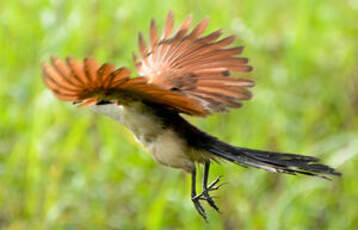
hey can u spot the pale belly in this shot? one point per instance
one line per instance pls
(163, 143)
(170, 150)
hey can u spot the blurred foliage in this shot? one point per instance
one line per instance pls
(66, 168)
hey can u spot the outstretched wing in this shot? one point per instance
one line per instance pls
(194, 65)
(87, 83)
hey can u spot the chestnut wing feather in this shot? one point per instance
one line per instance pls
(87, 82)
(194, 65)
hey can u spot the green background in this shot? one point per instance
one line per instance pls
(66, 168)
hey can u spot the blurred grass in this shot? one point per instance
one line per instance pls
(66, 168)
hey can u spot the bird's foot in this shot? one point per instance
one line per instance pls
(204, 195)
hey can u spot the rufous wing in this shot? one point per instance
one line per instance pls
(87, 83)
(195, 65)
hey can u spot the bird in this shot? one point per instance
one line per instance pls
(182, 72)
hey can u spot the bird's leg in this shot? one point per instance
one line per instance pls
(204, 195)
(211, 187)
(194, 196)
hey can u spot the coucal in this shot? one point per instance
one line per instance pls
(186, 73)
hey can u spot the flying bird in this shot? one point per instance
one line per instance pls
(178, 73)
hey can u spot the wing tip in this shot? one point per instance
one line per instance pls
(170, 14)
(249, 68)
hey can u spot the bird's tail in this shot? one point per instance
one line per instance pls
(271, 161)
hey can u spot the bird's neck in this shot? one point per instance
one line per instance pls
(138, 117)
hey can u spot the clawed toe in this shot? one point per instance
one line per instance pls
(199, 208)
(211, 202)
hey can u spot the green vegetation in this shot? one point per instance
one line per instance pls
(66, 168)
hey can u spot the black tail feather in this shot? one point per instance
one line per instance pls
(271, 161)
(275, 162)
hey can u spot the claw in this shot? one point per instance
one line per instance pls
(199, 208)
(214, 182)
(217, 187)
(212, 204)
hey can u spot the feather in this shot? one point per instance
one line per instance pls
(153, 34)
(77, 70)
(105, 82)
(52, 77)
(117, 77)
(142, 47)
(168, 29)
(90, 68)
(104, 72)
(187, 60)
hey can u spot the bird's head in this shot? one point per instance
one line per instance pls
(109, 108)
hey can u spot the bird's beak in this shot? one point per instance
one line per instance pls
(104, 102)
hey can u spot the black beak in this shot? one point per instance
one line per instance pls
(103, 102)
